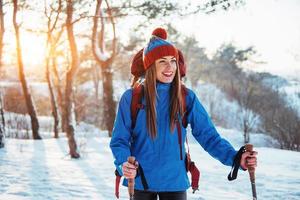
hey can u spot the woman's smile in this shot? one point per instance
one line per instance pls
(168, 74)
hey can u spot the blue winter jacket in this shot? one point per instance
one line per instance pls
(160, 158)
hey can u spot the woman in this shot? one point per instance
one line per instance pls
(153, 140)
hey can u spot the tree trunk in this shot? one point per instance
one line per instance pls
(51, 46)
(2, 123)
(29, 104)
(69, 82)
(105, 62)
(52, 98)
(108, 101)
(60, 97)
(96, 81)
(246, 132)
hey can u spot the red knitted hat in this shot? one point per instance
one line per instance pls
(137, 66)
(158, 47)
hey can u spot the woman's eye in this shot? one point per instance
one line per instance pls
(173, 61)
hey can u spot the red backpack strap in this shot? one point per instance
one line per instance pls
(117, 183)
(136, 102)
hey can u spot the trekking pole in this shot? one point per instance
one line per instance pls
(131, 160)
(251, 170)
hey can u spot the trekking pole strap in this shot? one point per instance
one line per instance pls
(143, 178)
(179, 137)
(236, 164)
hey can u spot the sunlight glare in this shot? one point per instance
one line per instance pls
(33, 50)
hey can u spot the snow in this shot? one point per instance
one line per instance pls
(43, 170)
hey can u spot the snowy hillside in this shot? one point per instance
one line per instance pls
(291, 92)
(289, 89)
(42, 170)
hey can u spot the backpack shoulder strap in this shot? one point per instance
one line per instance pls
(184, 92)
(136, 102)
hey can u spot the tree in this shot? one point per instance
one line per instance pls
(22, 77)
(246, 101)
(2, 30)
(104, 61)
(69, 105)
(215, 5)
(51, 45)
(57, 81)
(2, 122)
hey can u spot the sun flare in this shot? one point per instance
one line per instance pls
(33, 50)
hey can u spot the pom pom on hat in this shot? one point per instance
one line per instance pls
(160, 32)
(158, 47)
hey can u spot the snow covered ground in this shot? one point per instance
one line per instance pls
(42, 170)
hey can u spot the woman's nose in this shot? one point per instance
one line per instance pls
(169, 64)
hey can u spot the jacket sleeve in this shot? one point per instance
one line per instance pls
(205, 132)
(121, 134)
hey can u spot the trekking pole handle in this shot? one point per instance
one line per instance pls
(251, 170)
(131, 160)
(249, 148)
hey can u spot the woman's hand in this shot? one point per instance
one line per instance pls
(248, 160)
(129, 170)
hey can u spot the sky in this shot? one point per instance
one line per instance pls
(271, 26)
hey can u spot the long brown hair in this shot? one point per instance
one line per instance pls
(150, 97)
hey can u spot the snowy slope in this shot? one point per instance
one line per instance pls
(42, 170)
(291, 92)
(288, 88)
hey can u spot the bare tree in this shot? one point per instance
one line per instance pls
(283, 123)
(2, 122)
(2, 30)
(51, 44)
(69, 105)
(57, 80)
(245, 98)
(27, 95)
(104, 60)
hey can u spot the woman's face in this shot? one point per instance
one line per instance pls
(165, 69)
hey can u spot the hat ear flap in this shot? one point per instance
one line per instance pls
(181, 63)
